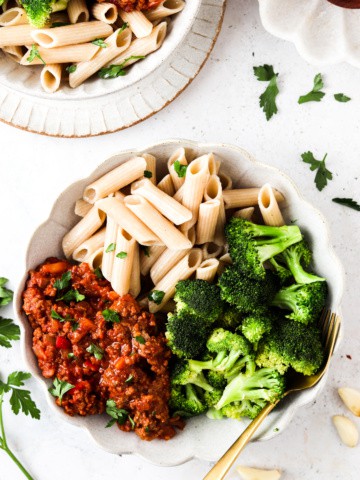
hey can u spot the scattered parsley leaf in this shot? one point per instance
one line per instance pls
(71, 68)
(340, 97)
(140, 339)
(118, 415)
(6, 295)
(180, 169)
(121, 255)
(124, 27)
(156, 296)
(265, 73)
(75, 326)
(132, 422)
(72, 295)
(110, 248)
(56, 316)
(147, 430)
(130, 378)
(147, 174)
(34, 53)
(60, 388)
(64, 281)
(146, 250)
(16, 379)
(8, 331)
(71, 355)
(347, 202)
(21, 400)
(114, 71)
(315, 95)
(98, 273)
(110, 423)
(111, 315)
(96, 351)
(323, 174)
(99, 42)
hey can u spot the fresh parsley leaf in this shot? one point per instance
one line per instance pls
(56, 316)
(21, 400)
(110, 423)
(8, 331)
(118, 415)
(98, 273)
(6, 295)
(315, 95)
(72, 295)
(264, 73)
(59, 24)
(147, 174)
(60, 388)
(16, 379)
(96, 351)
(121, 255)
(140, 339)
(111, 315)
(114, 71)
(75, 326)
(110, 248)
(99, 42)
(347, 202)
(323, 174)
(71, 355)
(64, 281)
(145, 249)
(340, 97)
(156, 296)
(132, 422)
(130, 378)
(71, 68)
(180, 169)
(34, 53)
(124, 27)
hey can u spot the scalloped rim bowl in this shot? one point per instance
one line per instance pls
(196, 439)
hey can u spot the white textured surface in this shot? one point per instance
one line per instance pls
(323, 33)
(220, 105)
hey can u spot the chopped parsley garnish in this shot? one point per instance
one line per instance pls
(340, 97)
(130, 378)
(118, 415)
(96, 351)
(111, 248)
(111, 316)
(71, 68)
(20, 399)
(156, 296)
(140, 339)
(147, 174)
(99, 42)
(114, 71)
(75, 326)
(34, 53)
(56, 316)
(8, 331)
(6, 295)
(265, 73)
(124, 27)
(180, 169)
(132, 422)
(145, 249)
(347, 202)
(147, 429)
(99, 273)
(121, 255)
(315, 95)
(59, 388)
(72, 295)
(71, 355)
(323, 174)
(64, 281)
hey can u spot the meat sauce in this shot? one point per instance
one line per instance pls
(125, 360)
(130, 5)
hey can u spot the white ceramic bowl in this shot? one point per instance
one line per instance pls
(195, 439)
(102, 106)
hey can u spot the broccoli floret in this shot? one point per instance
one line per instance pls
(305, 301)
(266, 384)
(297, 257)
(39, 11)
(250, 245)
(255, 326)
(212, 398)
(230, 319)
(291, 344)
(182, 375)
(245, 408)
(186, 401)
(200, 298)
(216, 379)
(284, 275)
(186, 335)
(248, 295)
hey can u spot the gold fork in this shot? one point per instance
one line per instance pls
(329, 324)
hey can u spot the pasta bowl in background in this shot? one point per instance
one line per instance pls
(195, 439)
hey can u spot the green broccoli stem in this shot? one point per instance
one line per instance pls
(268, 248)
(285, 299)
(4, 445)
(300, 275)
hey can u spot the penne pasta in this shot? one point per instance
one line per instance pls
(50, 77)
(105, 12)
(82, 230)
(8, 4)
(269, 207)
(150, 166)
(117, 210)
(82, 207)
(211, 250)
(225, 180)
(166, 185)
(78, 11)
(226, 259)
(206, 225)
(16, 52)
(167, 260)
(165, 9)
(207, 270)
(148, 257)
(66, 54)
(13, 16)
(135, 279)
(182, 271)
(245, 213)
(16, 35)
(94, 259)
(178, 156)
(138, 23)
(245, 197)
(163, 228)
(109, 246)
(178, 196)
(123, 262)
(213, 191)
(116, 179)
(90, 245)
(170, 208)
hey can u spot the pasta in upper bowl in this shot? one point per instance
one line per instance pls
(72, 40)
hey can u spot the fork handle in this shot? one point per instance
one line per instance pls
(221, 468)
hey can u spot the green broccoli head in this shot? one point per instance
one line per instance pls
(248, 295)
(186, 401)
(230, 319)
(216, 379)
(212, 398)
(200, 298)
(250, 245)
(305, 301)
(186, 335)
(255, 326)
(245, 408)
(291, 344)
(228, 347)
(284, 275)
(182, 375)
(39, 11)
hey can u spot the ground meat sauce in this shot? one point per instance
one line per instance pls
(130, 5)
(133, 370)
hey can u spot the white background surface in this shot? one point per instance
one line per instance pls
(221, 105)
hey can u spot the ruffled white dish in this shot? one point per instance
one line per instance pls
(196, 439)
(102, 106)
(323, 33)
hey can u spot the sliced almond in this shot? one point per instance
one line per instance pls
(248, 473)
(351, 398)
(346, 429)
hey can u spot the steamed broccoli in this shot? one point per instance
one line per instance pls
(230, 319)
(182, 375)
(291, 344)
(305, 301)
(248, 295)
(186, 401)
(250, 245)
(216, 379)
(200, 298)
(186, 335)
(39, 11)
(284, 275)
(297, 257)
(255, 326)
(238, 410)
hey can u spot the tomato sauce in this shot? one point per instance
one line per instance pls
(130, 5)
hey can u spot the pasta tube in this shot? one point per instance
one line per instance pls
(269, 207)
(165, 9)
(67, 54)
(78, 11)
(206, 225)
(245, 197)
(148, 257)
(166, 262)
(139, 24)
(123, 262)
(105, 12)
(89, 246)
(14, 16)
(207, 269)
(50, 77)
(166, 185)
(178, 156)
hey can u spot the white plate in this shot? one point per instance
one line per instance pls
(102, 106)
(323, 33)
(196, 440)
